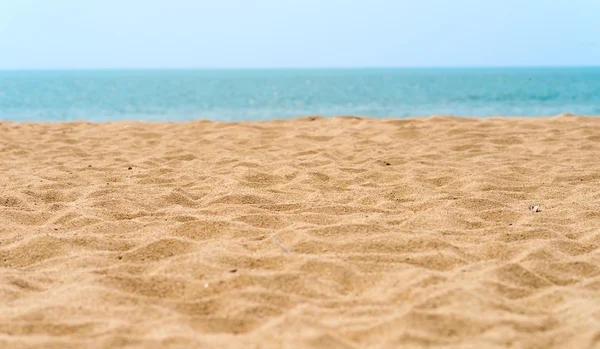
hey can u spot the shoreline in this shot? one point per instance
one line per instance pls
(361, 117)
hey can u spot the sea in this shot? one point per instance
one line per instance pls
(258, 95)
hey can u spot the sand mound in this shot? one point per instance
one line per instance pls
(401, 233)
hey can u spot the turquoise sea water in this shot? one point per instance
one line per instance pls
(231, 95)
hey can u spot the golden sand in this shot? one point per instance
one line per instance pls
(313, 232)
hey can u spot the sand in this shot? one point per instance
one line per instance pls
(325, 233)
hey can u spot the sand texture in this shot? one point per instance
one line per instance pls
(407, 233)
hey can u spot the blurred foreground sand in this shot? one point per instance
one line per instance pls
(402, 233)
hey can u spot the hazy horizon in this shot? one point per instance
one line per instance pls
(516, 67)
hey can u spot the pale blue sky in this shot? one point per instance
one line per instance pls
(297, 33)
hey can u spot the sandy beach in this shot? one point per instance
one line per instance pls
(314, 232)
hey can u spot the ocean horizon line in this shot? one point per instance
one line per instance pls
(465, 67)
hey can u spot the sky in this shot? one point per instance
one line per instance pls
(99, 34)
